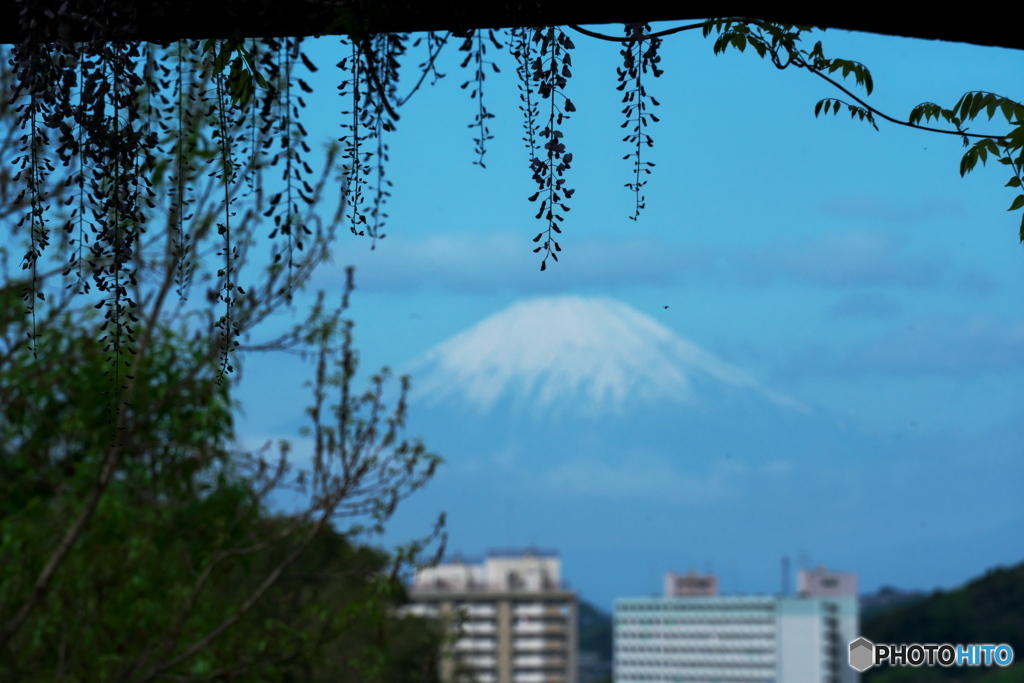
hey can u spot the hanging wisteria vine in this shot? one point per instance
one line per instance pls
(550, 72)
(638, 57)
(475, 45)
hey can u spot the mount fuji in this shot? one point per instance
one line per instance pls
(574, 356)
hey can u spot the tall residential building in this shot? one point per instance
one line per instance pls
(515, 620)
(694, 635)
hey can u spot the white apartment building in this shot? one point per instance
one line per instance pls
(695, 636)
(515, 620)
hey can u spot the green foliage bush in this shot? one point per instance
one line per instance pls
(179, 540)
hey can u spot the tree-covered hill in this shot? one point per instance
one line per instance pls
(989, 609)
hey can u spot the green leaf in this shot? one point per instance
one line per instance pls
(963, 107)
(1015, 138)
(926, 111)
(969, 160)
(1007, 108)
(1018, 202)
(992, 106)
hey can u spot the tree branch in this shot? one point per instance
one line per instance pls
(797, 60)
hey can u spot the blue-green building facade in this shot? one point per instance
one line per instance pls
(738, 639)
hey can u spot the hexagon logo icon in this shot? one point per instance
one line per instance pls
(862, 654)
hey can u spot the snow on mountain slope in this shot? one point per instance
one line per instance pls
(570, 354)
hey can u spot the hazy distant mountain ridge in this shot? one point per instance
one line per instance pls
(570, 354)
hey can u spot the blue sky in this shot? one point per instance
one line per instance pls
(849, 268)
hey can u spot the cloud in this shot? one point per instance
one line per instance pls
(896, 212)
(654, 479)
(647, 477)
(976, 282)
(641, 475)
(490, 262)
(938, 345)
(841, 260)
(865, 306)
(505, 261)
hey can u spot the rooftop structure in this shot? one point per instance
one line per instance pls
(825, 584)
(690, 584)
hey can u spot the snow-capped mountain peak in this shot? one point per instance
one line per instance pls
(569, 354)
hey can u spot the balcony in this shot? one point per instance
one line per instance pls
(539, 662)
(539, 628)
(540, 610)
